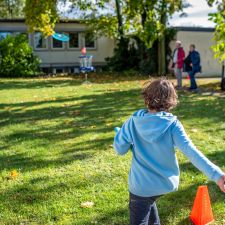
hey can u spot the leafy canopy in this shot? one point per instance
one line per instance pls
(11, 9)
(219, 34)
(41, 15)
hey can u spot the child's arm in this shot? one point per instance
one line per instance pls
(184, 144)
(122, 141)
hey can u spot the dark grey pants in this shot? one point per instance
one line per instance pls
(143, 210)
(178, 75)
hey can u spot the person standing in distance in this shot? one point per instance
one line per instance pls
(178, 62)
(196, 67)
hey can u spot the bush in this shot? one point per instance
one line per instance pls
(138, 58)
(125, 57)
(17, 57)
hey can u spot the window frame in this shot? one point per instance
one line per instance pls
(40, 49)
(79, 41)
(10, 33)
(55, 68)
(75, 67)
(95, 43)
(58, 49)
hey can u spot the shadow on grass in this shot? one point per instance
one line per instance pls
(77, 80)
(95, 110)
(101, 105)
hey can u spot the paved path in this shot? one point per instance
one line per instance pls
(203, 91)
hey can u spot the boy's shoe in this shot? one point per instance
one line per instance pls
(177, 87)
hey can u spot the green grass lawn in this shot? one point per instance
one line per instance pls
(57, 134)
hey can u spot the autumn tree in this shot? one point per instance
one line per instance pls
(219, 34)
(147, 20)
(11, 8)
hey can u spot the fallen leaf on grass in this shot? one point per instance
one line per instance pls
(110, 145)
(24, 108)
(9, 108)
(54, 99)
(74, 125)
(215, 162)
(61, 112)
(108, 124)
(68, 121)
(82, 127)
(77, 113)
(87, 204)
(92, 127)
(40, 135)
(45, 98)
(101, 117)
(179, 116)
(114, 110)
(13, 174)
(194, 131)
(32, 120)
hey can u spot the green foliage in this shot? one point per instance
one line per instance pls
(138, 57)
(125, 57)
(103, 25)
(219, 35)
(41, 15)
(146, 18)
(17, 57)
(11, 9)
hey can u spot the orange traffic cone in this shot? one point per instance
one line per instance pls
(188, 77)
(201, 212)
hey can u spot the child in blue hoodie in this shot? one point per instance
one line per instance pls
(152, 135)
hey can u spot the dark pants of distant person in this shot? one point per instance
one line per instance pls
(192, 79)
(143, 210)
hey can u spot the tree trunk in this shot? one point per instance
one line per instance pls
(143, 20)
(161, 50)
(119, 17)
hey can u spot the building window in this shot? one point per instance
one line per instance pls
(58, 70)
(74, 40)
(3, 35)
(89, 40)
(39, 41)
(74, 70)
(56, 43)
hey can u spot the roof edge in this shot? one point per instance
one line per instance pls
(202, 29)
(19, 20)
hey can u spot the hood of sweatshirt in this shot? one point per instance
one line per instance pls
(152, 126)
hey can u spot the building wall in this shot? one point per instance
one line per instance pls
(202, 39)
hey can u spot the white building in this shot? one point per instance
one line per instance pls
(58, 57)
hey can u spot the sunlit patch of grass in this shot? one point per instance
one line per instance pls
(61, 164)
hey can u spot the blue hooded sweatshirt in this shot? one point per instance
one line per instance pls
(154, 167)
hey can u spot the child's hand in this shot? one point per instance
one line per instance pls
(220, 183)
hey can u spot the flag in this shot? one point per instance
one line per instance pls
(83, 50)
